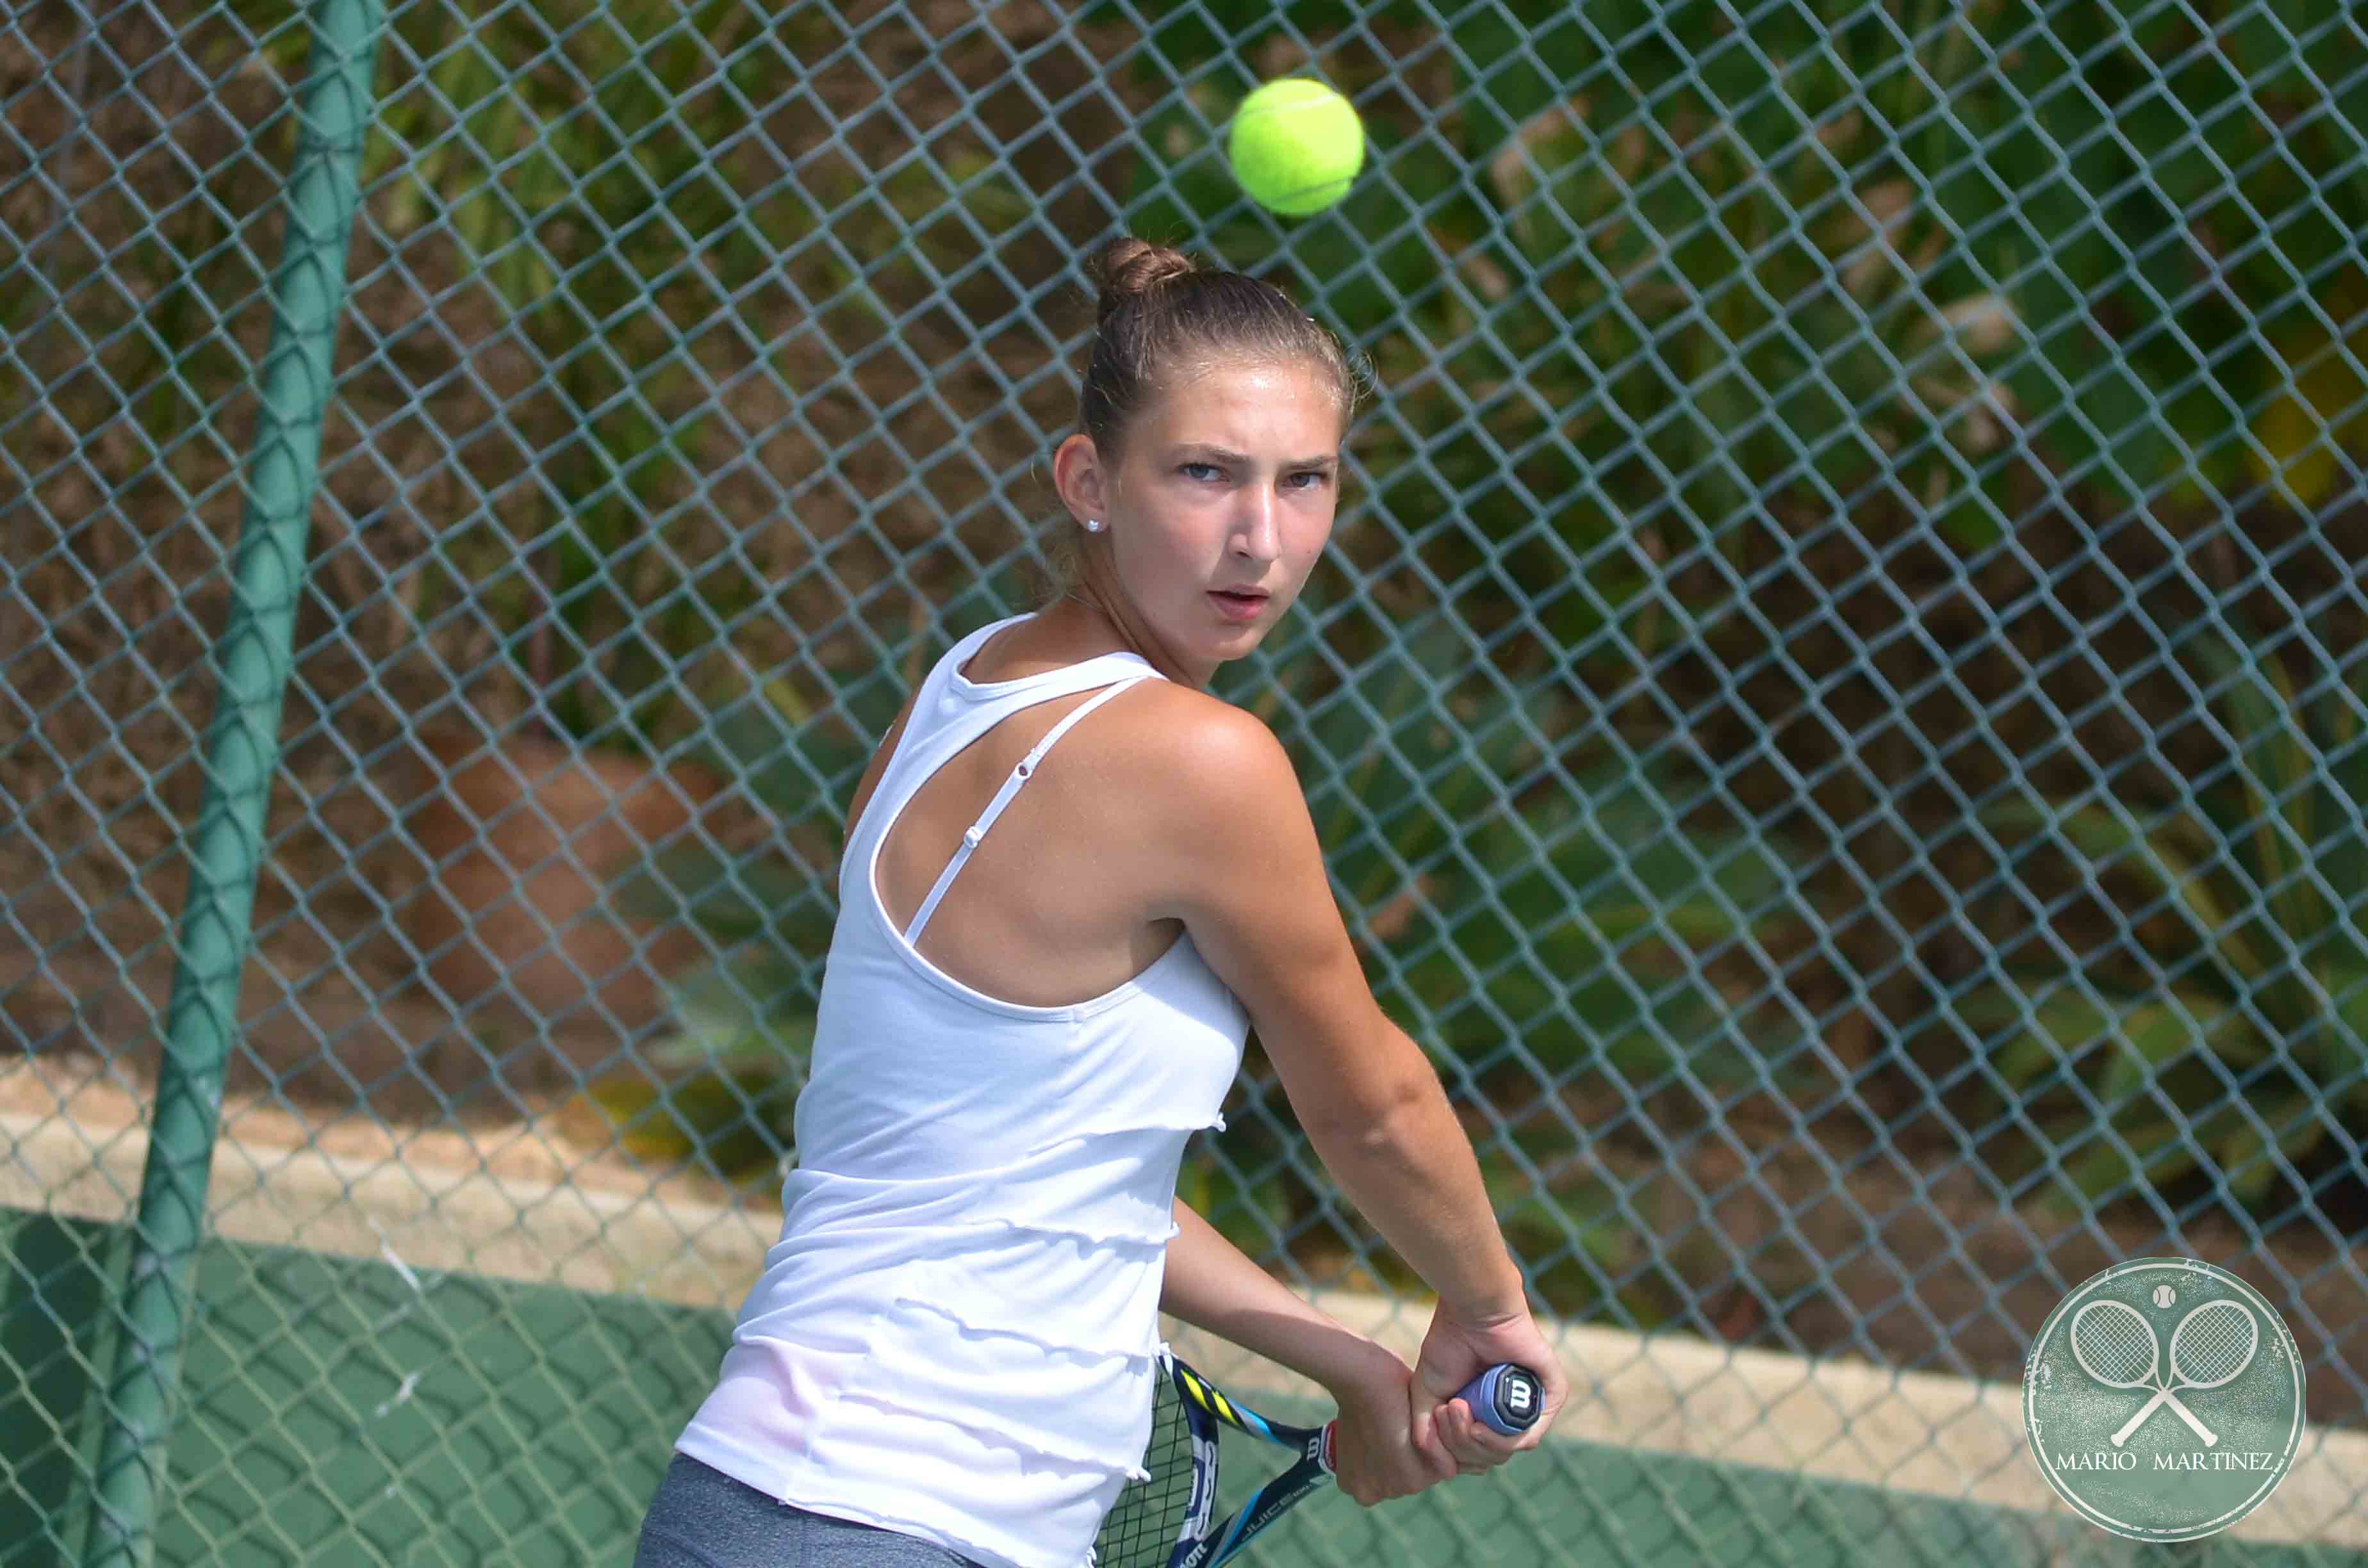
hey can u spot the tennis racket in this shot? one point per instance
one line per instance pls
(1169, 1520)
(2118, 1349)
(2208, 1349)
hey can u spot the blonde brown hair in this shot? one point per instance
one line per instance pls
(1158, 320)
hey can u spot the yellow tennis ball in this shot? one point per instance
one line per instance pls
(1295, 145)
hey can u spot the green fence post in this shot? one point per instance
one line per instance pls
(251, 660)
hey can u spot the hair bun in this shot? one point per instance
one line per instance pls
(1128, 268)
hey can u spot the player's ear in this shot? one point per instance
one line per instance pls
(1080, 477)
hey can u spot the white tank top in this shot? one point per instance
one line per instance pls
(954, 1336)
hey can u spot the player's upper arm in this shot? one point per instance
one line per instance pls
(1235, 858)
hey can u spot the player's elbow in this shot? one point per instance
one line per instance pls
(1387, 1117)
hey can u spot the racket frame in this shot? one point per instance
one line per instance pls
(2177, 1380)
(1207, 1410)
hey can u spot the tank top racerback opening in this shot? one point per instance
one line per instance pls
(945, 981)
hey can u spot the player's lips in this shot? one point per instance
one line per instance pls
(1240, 604)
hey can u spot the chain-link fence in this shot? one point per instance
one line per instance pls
(1835, 707)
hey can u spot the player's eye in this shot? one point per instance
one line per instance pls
(1315, 474)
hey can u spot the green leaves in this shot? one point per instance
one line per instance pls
(1716, 245)
(2237, 1008)
(1519, 890)
(727, 1079)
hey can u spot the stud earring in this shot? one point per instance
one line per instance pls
(1093, 525)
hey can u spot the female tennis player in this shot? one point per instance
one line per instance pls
(1072, 880)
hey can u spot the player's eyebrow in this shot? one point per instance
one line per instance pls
(1322, 460)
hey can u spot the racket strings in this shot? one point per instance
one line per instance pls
(2115, 1346)
(2213, 1346)
(1141, 1530)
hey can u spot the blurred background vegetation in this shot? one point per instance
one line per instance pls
(1844, 627)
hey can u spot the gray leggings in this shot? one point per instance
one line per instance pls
(703, 1518)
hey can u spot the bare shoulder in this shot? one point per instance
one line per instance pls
(1226, 844)
(1200, 758)
(1226, 841)
(1176, 727)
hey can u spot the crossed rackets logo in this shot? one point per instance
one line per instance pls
(2115, 1344)
(2187, 1337)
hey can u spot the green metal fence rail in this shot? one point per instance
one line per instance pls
(1835, 708)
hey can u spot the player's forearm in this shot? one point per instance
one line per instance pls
(1212, 1285)
(1410, 1170)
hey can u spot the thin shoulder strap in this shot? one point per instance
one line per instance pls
(977, 830)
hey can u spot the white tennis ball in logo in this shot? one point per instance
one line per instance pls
(2164, 1295)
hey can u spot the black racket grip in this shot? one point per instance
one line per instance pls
(1506, 1398)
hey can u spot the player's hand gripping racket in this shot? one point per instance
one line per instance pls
(1168, 1521)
